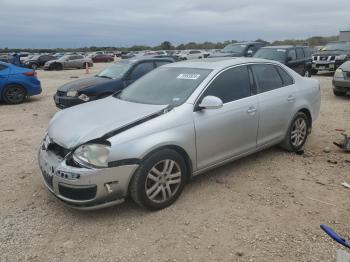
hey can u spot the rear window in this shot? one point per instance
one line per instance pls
(286, 78)
(276, 54)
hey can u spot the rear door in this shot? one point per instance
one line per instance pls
(4, 74)
(300, 60)
(276, 98)
(231, 130)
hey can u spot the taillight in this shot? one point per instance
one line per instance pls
(31, 73)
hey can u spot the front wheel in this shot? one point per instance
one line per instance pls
(159, 180)
(338, 93)
(297, 133)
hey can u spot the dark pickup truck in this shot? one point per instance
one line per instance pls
(330, 57)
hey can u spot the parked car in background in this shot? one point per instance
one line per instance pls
(110, 80)
(192, 54)
(37, 61)
(297, 58)
(102, 58)
(246, 49)
(17, 83)
(341, 80)
(67, 62)
(330, 57)
(176, 122)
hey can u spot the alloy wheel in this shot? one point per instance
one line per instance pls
(15, 94)
(163, 181)
(299, 132)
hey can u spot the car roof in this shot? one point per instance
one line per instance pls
(284, 46)
(134, 60)
(217, 63)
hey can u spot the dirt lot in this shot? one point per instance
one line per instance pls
(266, 207)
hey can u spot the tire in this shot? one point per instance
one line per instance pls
(34, 66)
(338, 93)
(297, 133)
(57, 67)
(307, 73)
(314, 72)
(150, 186)
(14, 94)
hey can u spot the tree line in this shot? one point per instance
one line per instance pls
(166, 45)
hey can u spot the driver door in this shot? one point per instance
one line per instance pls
(231, 130)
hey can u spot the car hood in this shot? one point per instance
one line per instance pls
(345, 66)
(83, 83)
(79, 124)
(225, 55)
(325, 53)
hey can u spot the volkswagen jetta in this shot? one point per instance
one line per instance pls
(176, 122)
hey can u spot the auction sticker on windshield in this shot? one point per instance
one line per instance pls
(188, 76)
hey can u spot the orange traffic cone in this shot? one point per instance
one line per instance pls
(86, 68)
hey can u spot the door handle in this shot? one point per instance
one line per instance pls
(251, 110)
(290, 98)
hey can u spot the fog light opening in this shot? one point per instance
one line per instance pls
(109, 186)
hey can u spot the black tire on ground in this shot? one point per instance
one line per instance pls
(314, 72)
(57, 67)
(14, 94)
(148, 179)
(338, 93)
(297, 133)
(34, 66)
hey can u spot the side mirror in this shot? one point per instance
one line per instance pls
(211, 102)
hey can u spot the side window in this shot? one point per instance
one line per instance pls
(267, 77)
(2, 67)
(160, 63)
(141, 69)
(300, 53)
(287, 79)
(71, 57)
(230, 85)
(292, 54)
(79, 57)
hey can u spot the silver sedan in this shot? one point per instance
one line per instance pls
(176, 122)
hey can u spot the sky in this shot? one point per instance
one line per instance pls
(78, 23)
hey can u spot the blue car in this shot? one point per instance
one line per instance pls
(112, 79)
(17, 83)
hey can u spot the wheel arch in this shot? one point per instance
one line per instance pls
(181, 152)
(307, 112)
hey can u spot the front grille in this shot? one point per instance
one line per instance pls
(58, 150)
(84, 193)
(60, 93)
(324, 58)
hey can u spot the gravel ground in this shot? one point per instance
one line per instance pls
(265, 207)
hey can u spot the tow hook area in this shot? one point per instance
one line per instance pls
(111, 186)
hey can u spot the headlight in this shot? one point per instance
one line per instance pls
(72, 93)
(339, 74)
(340, 57)
(84, 97)
(95, 155)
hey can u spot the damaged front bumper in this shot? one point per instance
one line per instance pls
(84, 188)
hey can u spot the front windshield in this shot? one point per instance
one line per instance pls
(337, 47)
(234, 48)
(63, 58)
(277, 54)
(165, 86)
(115, 71)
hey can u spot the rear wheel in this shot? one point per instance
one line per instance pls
(159, 180)
(297, 133)
(314, 72)
(338, 93)
(14, 94)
